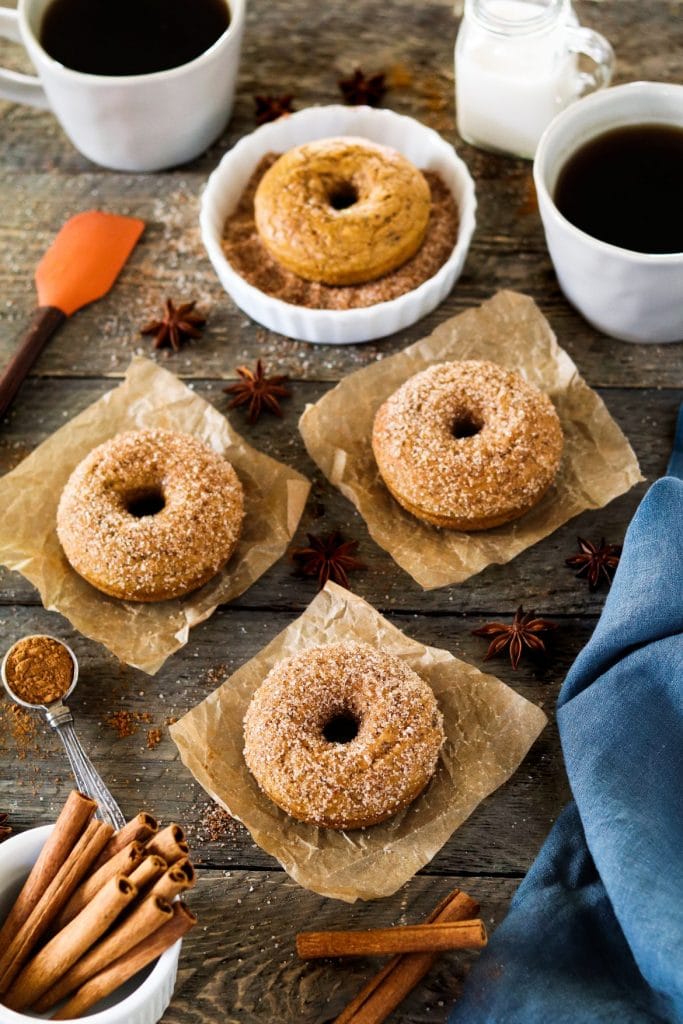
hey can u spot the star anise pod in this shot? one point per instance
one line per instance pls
(258, 391)
(361, 89)
(269, 108)
(523, 632)
(595, 562)
(5, 830)
(329, 557)
(177, 325)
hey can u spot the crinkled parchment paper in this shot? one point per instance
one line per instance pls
(142, 635)
(597, 465)
(489, 729)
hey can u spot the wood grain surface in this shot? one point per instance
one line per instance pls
(240, 964)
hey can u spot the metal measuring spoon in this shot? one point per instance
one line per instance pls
(59, 717)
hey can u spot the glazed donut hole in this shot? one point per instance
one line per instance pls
(341, 194)
(144, 501)
(466, 424)
(341, 727)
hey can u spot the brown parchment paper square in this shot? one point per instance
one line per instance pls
(489, 729)
(598, 463)
(143, 635)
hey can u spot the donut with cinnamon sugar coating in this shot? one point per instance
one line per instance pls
(467, 445)
(150, 515)
(343, 736)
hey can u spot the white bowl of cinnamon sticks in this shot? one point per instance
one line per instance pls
(90, 920)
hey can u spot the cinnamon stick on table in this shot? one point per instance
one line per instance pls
(74, 816)
(146, 918)
(176, 879)
(147, 872)
(55, 897)
(417, 938)
(122, 863)
(386, 990)
(169, 843)
(67, 946)
(139, 829)
(129, 964)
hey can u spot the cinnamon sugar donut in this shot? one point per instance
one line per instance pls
(467, 445)
(342, 211)
(150, 515)
(343, 736)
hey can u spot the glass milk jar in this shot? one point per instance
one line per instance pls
(516, 66)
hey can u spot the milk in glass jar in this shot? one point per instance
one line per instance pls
(516, 66)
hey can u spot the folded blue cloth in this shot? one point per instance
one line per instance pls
(595, 931)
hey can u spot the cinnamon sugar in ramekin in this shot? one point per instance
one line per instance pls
(251, 260)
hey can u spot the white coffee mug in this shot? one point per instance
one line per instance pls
(129, 122)
(629, 295)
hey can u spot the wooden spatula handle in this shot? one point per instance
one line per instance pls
(44, 323)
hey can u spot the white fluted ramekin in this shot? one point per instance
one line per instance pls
(423, 146)
(142, 1000)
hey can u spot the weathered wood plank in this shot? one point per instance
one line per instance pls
(537, 577)
(240, 965)
(171, 261)
(502, 836)
(508, 249)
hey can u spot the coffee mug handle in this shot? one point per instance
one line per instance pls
(13, 86)
(591, 44)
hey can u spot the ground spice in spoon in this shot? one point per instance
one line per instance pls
(39, 670)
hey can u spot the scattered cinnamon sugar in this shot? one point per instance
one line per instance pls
(127, 723)
(217, 674)
(217, 823)
(399, 76)
(39, 670)
(22, 726)
(153, 738)
(249, 257)
(214, 825)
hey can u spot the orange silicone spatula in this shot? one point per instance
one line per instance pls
(80, 266)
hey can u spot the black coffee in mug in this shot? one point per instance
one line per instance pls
(625, 187)
(131, 37)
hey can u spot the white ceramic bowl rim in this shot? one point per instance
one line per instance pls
(132, 1002)
(358, 314)
(235, 7)
(603, 98)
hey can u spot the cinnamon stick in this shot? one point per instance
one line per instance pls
(122, 863)
(55, 897)
(169, 843)
(417, 938)
(108, 980)
(67, 946)
(180, 876)
(147, 872)
(144, 919)
(139, 829)
(74, 816)
(386, 990)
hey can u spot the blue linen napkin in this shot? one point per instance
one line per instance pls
(595, 931)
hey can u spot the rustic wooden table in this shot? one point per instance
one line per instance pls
(240, 965)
